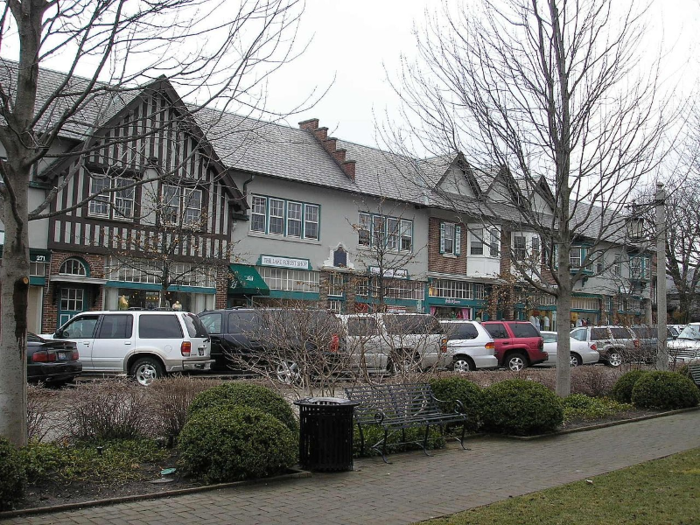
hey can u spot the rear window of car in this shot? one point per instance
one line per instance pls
(549, 338)
(166, 326)
(460, 331)
(212, 322)
(194, 326)
(362, 326)
(524, 330)
(243, 322)
(646, 332)
(117, 326)
(497, 331)
(598, 334)
(620, 332)
(398, 324)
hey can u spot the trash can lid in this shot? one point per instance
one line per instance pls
(325, 401)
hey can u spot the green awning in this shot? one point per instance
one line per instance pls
(246, 281)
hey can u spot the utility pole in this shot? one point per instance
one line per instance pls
(662, 350)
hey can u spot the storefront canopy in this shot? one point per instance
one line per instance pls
(247, 281)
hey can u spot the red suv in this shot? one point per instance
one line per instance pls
(518, 344)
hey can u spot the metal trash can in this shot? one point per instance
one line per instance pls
(325, 433)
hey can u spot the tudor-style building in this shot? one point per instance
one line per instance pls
(160, 231)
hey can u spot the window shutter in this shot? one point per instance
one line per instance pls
(458, 240)
(442, 237)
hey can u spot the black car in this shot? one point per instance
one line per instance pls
(52, 361)
(281, 339)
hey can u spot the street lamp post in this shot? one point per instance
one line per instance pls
(662, 350)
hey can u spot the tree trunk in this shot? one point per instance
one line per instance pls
(563, 387)
(14, 276)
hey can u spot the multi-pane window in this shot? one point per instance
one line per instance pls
(277, 216)
(311, 219)
(476, 246)
(72, 267)
(392, 288)
(494, 249)
(519, 247)
(576, 257)
(146, 272)
(535, 242)
(640, 268)
(280, 217)
(447, 238)
(391, 233)
(72, 299)
(456, 289)
(406, 235)
(335, 285)
(258, 214)
(617, 266)
(294, 218)
(392, 240)
(114, 198)
(289, 280)
(181, 206)
(363, 227)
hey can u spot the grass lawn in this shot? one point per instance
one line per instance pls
(660, 491)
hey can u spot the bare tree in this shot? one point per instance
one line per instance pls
(214, 53)
(540, 93)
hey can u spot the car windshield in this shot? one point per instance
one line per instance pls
(690, 332)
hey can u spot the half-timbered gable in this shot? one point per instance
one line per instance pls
(150, 202)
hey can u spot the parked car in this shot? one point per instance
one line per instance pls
(518, 343)
(143, 344)
(52, 362)
(674, 330)
(615, 344)
(469, 346)
(281, 339)
(686, 347)
(581, 352)
(389, 342)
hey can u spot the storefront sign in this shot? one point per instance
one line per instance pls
(390, 273)
(284, 262)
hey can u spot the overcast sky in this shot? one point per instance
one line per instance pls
(356, 39)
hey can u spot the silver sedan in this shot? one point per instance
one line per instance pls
(582, 353)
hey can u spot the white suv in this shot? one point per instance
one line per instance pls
(143, 344)
(391, 342)
(470, 346)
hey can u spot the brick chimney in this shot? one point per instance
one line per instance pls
(330, 144)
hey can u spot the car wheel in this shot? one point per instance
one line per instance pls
(147, 369)
(288, 372)
(516, 362)
(614, 358)
(575, 360)
(462, 364)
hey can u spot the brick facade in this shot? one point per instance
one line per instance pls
(441, 263)
(94, 294)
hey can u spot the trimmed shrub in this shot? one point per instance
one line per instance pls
(13, 479)
(231, 443)
(622, 391)
(254, 396)
(521, 407)
(450, 389)
(665, 390)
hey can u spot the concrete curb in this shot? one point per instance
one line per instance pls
(295, 474)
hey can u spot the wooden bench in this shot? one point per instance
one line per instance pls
(695, 373)
(400, 407)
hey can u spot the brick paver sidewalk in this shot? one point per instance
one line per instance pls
(414, 487)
